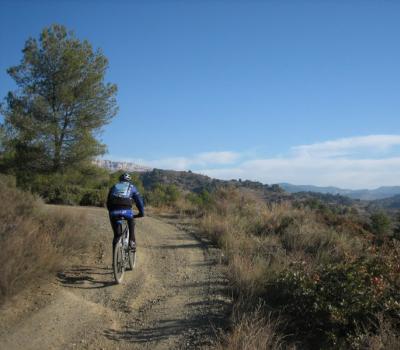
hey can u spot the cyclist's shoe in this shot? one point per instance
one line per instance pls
(132, 246)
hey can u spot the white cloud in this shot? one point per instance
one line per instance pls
(217, 157)
(346, 173)
(348, 146)
(356, 162)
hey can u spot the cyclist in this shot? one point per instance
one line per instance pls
(119, 204)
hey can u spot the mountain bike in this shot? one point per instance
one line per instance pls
(123, 256)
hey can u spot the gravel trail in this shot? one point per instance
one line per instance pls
(175, 298)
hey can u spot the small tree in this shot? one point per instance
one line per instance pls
(61, 104)
(396, 229)
(380, 224)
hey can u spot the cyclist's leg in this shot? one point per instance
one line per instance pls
(131, 225)
(116, 228)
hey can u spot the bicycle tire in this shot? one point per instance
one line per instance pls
(132, 259)
(118, 262)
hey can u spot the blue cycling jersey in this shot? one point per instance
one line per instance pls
(124, 190)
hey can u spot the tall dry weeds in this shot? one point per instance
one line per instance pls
(33, 240)
(253, 331)
(259, 241)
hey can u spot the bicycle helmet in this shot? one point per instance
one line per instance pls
(125, 177)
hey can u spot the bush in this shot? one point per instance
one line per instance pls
(334, 301)
(60, 193)
(69, 187)
(95, 198)
(307, 263)
(380, 224)
(33, 241)
(203, 200)
(163, 195)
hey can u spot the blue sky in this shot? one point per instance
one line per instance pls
(241, 88)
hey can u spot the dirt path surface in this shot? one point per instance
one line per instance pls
(174, 299)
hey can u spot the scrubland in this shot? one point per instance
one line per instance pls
(35, 240)
(303, 274)
(302, 277)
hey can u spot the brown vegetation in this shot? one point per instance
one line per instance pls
(252, 331)
(34, 240)
(324, 271)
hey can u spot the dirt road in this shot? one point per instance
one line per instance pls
(174, 298)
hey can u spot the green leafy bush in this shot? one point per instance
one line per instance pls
(202, 200)
(334, 301)
(380, 224)
(94, 198)
(163, 195)
(86, 186)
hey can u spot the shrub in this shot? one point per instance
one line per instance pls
(334, 301)
(94, 198)
(380, 224)
(70, 186)
(163, 195)
(307, 263)
(203, 200)
(396, 229)
(33, 241)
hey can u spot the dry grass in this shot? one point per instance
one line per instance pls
(259, 241)
(253, 331)
(33, 241)
(386, 337)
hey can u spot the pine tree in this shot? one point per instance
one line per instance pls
(62, 102)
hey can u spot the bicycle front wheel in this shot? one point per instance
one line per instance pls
(118, 262)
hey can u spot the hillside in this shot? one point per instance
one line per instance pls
(387, 203)
(188, 181)
(195, 182)
(363, 194)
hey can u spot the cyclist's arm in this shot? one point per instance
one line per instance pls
(139, 204)
(108, 199)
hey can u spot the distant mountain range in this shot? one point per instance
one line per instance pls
(116, 165)
(387, 203)
(375, 194)
(378, 193)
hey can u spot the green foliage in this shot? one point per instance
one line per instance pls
(312, 264)
(94, 198)
(335, 300)
(55, 188)
(163, 195)
(62, 102)
(87, 186)
(396, 229)
(202, 200)
(380, 224)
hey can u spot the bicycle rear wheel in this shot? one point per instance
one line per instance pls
(118, 262)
